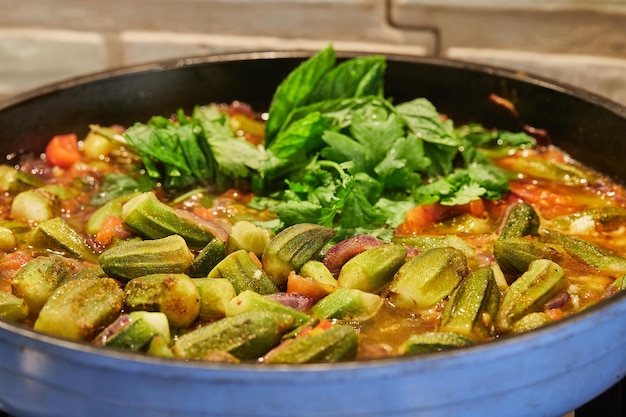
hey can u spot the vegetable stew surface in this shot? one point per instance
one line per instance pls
(336, 226)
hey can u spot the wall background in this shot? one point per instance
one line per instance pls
(579, 42)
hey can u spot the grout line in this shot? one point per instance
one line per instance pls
(432, 29)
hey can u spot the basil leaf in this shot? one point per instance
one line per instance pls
(357, 77)
(295, 89)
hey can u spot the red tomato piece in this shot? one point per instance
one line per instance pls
(62, 150)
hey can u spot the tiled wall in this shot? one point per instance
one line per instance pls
(581, 42)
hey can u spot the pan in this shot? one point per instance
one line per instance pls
(546, 372)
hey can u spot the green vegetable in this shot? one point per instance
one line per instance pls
(336, 152)
(245, 336)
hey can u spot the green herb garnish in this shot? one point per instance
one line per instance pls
(336, 151)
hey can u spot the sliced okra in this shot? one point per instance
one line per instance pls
(144, 257)
(531, 321)
(246, 336)
(134, 331)
(515, 254)
(35, 205)
(248, 236)
(160, 346)
(12, 308)
(521, 220)
(373, 268)
(215, 294)
(38, 279)
(207, 258)
(108, 209)
(318, 272)
(472, 308)
(347, 304)
(175, 295)
(426, 242)
(12, 234)
(602, 259)
(293, 247)
(58, 236)
(551, 170)
(151, 218)
(79, 309)
(335, 344)
(252, 301)
(427, 278)
(529, 293)
(244, 273)
(590, 220)
(15, 181)
(434, 342)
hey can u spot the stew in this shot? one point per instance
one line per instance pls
(337, 226)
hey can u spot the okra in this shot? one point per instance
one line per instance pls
(175, 295)
(246, 336)
(247, 236)
(8, 240)
(134, 331)
(426, 242)
(335, 344)
(434, 342)
(215, 294)
(207, 258)
(12, 234)
(602, 259)
(149, 217)
(588, 220)
(531, 321)
(89, 272)
(318, 272)
(293, 247)
(34, 205)
(372, 269)
(12, 308)
(108, 209)
(57, 236)
(38, 279)
(160, 346)
(472, 308)
(620, 283)
(79, 309)
(529, 293)
(551, 170)
(244, 273)
(15, 181)
(347, 304)
(252, 301)
(515, 254)
(427, 278)
(138, 258)
(521, 220)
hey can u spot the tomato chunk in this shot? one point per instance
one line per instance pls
(62, 150)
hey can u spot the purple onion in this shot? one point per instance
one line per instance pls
(296, 301)
(558, 301)
(345, 250)
(112, 329)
